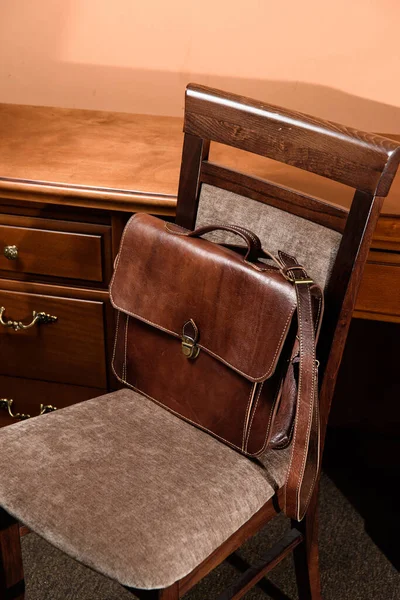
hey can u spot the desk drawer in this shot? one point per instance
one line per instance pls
(29, 394)
(52, 248)
(70, 350)
(379, 295)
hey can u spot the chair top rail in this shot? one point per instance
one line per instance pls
(364, 161)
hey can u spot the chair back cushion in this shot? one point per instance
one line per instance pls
(314, 245)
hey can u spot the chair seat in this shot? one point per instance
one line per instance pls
(129, 489)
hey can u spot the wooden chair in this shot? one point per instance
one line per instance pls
(92, 477)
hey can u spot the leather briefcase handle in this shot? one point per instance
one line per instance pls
(255, 250)
(253, 242)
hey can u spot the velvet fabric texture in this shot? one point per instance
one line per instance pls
(314, 246)
(128, 489)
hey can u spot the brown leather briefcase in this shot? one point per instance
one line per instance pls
(217, 336)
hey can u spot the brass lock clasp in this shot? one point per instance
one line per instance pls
(189, 347)
(190, 335)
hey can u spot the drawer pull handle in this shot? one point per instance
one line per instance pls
(38, 318)
(6, 404)
(11, 252)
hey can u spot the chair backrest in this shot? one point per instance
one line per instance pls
(331, 242)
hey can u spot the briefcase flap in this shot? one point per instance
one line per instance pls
(236, 311)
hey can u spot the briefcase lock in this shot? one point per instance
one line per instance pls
(190, 335)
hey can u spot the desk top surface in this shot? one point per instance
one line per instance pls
(124, 161)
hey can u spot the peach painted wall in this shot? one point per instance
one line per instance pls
(339, 59)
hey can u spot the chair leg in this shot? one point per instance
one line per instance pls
(12, 585)
(169, 593)
(306, 555)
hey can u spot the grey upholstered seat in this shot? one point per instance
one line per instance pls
(126, 487)
(129, 489)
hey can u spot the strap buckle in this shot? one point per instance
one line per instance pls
(287, 272)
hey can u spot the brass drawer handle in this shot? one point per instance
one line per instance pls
(38, 317)
(6, 404)
(11, 252)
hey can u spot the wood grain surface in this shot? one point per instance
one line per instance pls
(124, 161)
(334, 151)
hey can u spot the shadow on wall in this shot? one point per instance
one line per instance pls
(160, 92)
(33, 72)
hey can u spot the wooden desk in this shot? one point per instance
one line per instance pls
(68, 181)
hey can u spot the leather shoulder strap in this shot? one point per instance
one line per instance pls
(305, 452)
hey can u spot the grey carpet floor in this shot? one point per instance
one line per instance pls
(352, 566)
